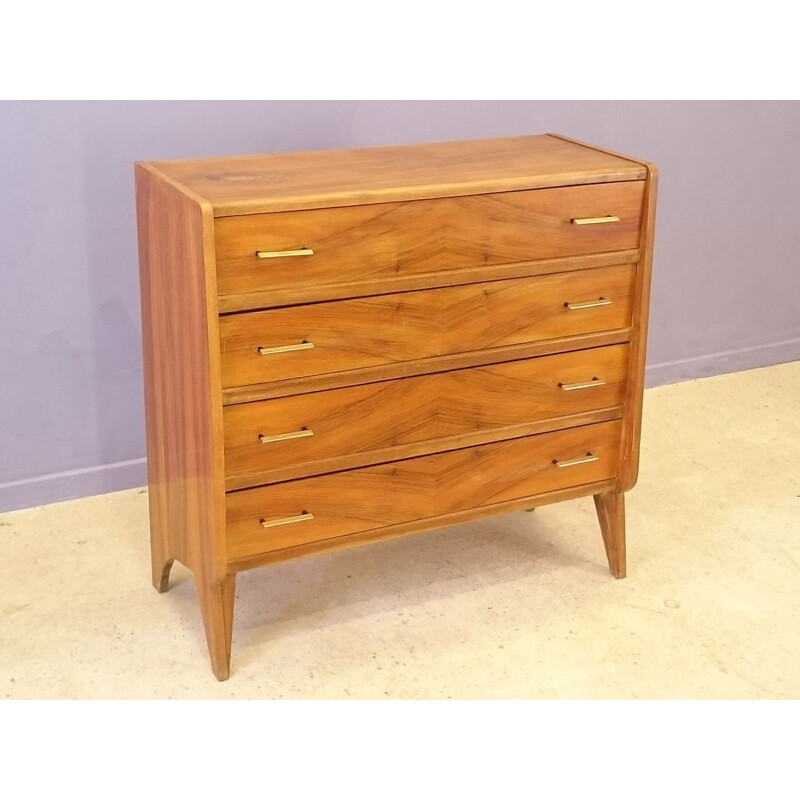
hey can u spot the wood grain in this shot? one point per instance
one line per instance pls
(397, 240)
(343, 503)
(328, 178)
(632, 428)
(422, 525)
(398, 419)
(183, 406)
(435, 302)
(370, 332)
(604, 150)
(407, 369)
(631, 433)
(216, 604)
(182, 401)
(267, 297)
(611, 515)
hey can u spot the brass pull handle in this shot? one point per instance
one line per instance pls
(303, 251)
(283, 437)
(570, 387)
(286, 348)
(593, 220)
(601, 301)
(574, 463)
(273, 523)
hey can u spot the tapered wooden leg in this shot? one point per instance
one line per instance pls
(611, 513)
(216, 605)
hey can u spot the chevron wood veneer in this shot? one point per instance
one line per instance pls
(390, 240)
(386, 420)
(347, 346)
(371, 331)
(417, 488)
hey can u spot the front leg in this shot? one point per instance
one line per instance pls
(216, 605)
(611, 513)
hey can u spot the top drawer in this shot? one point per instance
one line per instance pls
(309, 249)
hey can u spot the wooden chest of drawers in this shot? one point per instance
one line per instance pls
(343, 346)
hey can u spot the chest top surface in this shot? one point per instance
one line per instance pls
(256, 184)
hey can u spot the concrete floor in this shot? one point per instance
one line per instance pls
(519, 606)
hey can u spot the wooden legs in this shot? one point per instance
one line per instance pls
(611, 513)
(216, 605)
(217, 597)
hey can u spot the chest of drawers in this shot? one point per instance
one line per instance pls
(344, 346)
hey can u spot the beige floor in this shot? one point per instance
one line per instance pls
(519, 606)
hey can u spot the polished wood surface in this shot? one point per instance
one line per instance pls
(604, 150)
(406, 369)
(396, 240)
(328, 178)
(299, 294)
(182, 395)
(421, 525)
(411, 450)
(632, 430)
(216, 605)
(631, 433)
(611, 515)
(397, 419)
(429, 486)
(181, 375)
(435, 303)
(351, 334)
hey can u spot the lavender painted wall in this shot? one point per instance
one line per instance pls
(726, 292)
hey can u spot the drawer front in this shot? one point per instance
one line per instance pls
(389, 240)
(320, 508)
(263, 346)
(308, 434)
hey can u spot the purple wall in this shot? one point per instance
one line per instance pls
(726, 292)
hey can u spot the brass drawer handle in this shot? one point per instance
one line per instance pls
(601, 301)
(283, 437)
(303, 251)
(570, 387)
(587, 460)
(593, 220)
(273, 523)
(286, 348)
